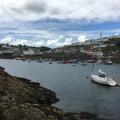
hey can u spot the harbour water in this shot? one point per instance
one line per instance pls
(76, 92)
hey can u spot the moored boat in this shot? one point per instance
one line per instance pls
(99, 61)
(108, 62)
(103, 78)
(90, 61)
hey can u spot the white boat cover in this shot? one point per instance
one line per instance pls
(101, 72)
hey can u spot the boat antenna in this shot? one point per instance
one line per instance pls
(99, 48)
(100, 41)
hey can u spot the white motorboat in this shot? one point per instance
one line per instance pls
(103, 78)
(108, 62)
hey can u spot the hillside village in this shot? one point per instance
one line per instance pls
(107, 47)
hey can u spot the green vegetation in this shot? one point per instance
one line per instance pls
(24, 47)
(42, 48)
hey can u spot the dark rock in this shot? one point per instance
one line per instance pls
(1, 68)
(34, 84)
(21, 99)
(23, 79)
(3, 73)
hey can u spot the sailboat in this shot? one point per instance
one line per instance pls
(102, 77)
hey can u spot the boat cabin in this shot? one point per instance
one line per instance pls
(101, 74)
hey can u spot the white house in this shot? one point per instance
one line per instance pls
(28, 52)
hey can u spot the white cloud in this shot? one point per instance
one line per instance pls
(82, 38)
(7, 39)
(89, 10)
(19, 42)
(55, 42)
(50, 43)
(46, 38)
(12, 41)
(68, 41)
(55, 33)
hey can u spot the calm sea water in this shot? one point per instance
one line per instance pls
(76, 93)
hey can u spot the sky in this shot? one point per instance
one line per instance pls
(56, 23)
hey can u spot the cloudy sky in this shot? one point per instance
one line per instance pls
(56, 23)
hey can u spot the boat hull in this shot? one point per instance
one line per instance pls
(104, 81)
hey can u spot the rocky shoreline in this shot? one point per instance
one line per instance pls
(21, 99)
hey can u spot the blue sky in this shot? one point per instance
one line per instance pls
(56, 23)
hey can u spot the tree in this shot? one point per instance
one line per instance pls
(118, 45)
(0, 46)
(44, 48)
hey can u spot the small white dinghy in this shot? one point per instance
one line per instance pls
(102, 78)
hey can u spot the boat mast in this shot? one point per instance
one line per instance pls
(100, 42)
(99, 48)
